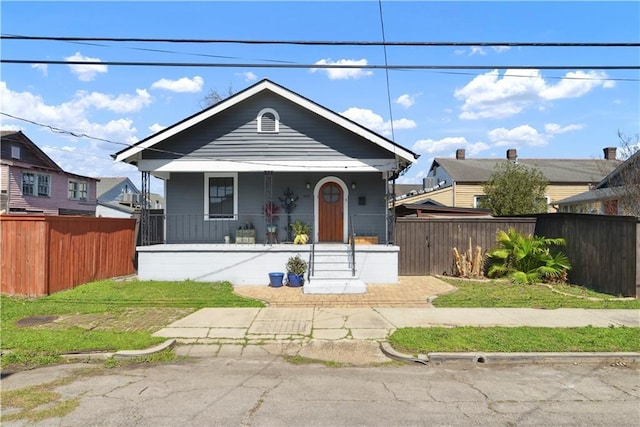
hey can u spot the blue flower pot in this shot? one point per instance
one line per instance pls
(294, 280)
(275, 279)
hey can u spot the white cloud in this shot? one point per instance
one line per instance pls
(43, 68)
(343, 73)
(10, 126)
(70, 116)
(182, 85)
(556, 129)
(248, 76)
(575, 84)
(523, 135)
(123, 103)
(489, 96)
(375, 122)
(500, 49)
(406, 100)
(155, 128)
(476, 50)
(446, 145)
(460, 51)
(86, 73)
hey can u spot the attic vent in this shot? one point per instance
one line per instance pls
(268, 121)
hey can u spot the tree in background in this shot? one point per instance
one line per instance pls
(213, 96)
(624, 182)
(515, 189)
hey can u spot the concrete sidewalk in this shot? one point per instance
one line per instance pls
(260, 325)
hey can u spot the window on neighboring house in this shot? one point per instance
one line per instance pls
(478, 200)
(44, 185)
(35, 184)
(221, 196)
(15, 152)
(77, 190)
(28, 183)
(268, 121)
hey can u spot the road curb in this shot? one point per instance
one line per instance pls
(122, 354)
(622, 358)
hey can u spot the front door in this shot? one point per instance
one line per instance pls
(330, 213)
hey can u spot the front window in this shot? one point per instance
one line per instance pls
(34, 184)
(221, 196)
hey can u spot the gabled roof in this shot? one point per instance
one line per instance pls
(130, 155)
(554, 170)
(108, 183)
(20, 139)
(42, 161)
(614, 176)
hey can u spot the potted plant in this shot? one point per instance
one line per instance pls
(301, 232)
(296, 267)
(271, 214)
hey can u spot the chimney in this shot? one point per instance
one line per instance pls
(460, 154)
(609, 153)
(512, 154)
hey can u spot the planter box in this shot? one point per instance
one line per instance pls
(246, 236)
(365, 240)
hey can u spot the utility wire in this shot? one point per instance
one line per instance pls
(335, 66)
(386, 71)
(323, 43)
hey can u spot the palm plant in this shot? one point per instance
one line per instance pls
(527, 258)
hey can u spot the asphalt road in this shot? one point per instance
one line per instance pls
(267, 391)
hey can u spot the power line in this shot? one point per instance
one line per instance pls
(334, 66)
(324, 42)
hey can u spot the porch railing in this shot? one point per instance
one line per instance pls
(252, 228)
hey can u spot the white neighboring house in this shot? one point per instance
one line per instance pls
(118, 197)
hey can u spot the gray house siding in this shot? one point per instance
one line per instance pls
(185, 222)
(232, 134)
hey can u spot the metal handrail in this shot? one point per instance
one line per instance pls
(352, 245)
(311, 259)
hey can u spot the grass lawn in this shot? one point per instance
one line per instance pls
(106, 299)
(506, 294)
(516, 339)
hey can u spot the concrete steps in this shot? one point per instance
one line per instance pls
(332, 273)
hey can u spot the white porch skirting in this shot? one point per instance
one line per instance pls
(247, 264)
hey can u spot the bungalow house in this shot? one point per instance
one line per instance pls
(32, 183)
(617, 194)
(458, 182)
(246, 168)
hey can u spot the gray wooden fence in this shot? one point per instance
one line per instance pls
(604, 250)
(426, 243)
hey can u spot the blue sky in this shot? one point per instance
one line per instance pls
(569, 113)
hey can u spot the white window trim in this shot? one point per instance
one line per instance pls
(259, 119)
(15, 152)
(208, 175)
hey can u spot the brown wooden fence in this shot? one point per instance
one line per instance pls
(46, 254)
(426, 243)
(604, 250)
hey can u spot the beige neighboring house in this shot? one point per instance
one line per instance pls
(458, 182)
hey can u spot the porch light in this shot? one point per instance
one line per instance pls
(353, 185)
(308, 185)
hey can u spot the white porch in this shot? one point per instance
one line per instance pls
(250, 264)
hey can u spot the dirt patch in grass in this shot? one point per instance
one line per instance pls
(35, 320)
(131, 319)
